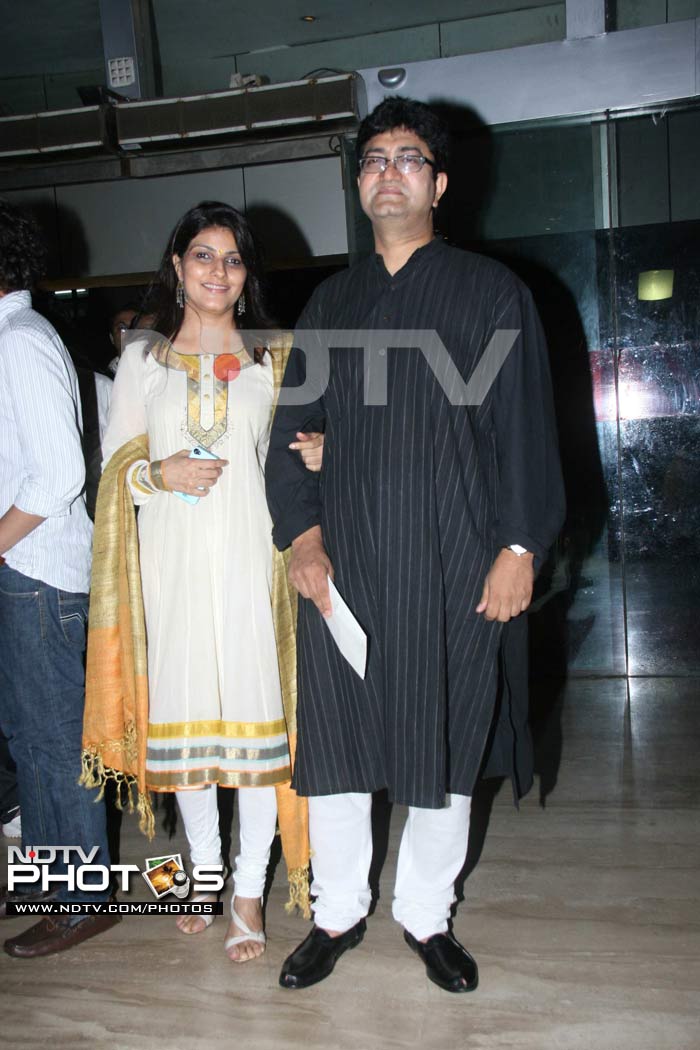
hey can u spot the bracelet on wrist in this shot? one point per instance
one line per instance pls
(155, 471)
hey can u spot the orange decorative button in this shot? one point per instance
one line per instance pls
(227, 367)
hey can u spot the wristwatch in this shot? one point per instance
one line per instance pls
(517, 549)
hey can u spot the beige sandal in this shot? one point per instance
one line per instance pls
(258, 936)
(207, 919)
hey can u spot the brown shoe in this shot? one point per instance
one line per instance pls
(21, 898)
(57, 935)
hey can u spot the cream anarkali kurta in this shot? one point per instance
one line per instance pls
(215, 705)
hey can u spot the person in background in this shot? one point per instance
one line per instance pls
(120, 322)
(96, 398)
(45, 539)
(9, 796)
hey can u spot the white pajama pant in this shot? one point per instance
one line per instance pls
(257, 812)
(432, 853)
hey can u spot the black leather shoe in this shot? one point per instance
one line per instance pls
(447, 963)
(316, 956)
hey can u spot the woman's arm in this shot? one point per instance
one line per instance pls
(127, 419)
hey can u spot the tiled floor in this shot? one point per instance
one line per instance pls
(582, 913)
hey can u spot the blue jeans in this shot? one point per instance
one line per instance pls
(9, 802)
(42, 695)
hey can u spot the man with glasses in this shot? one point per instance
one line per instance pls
(431, 513)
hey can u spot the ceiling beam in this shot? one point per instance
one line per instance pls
(613, 72)
(176, 162)
(585, 18)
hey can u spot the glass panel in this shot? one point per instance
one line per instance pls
(529, 197)
(659, 411)
(620, 594)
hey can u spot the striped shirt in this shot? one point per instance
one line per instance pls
(415, 499)
(42, 470)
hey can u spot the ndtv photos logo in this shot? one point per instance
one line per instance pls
(30, 871)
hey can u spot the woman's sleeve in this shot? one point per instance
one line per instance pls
(127, 419)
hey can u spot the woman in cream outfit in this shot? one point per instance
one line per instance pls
(215, 704)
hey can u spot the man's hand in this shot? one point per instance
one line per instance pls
(308, 568)
(508, 586)
(310, 447)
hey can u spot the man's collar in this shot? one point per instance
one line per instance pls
(12, 301)
(415, 258)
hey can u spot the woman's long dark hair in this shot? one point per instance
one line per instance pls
(161, 300)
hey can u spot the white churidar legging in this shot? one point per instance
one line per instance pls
(257, 813)
(433, 850)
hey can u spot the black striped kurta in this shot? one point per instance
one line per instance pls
(415, 499)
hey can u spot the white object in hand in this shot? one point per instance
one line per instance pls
(346, 631)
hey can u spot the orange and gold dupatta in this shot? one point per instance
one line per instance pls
(115, 727)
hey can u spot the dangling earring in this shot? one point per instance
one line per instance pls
(240, 309)
(180, 295)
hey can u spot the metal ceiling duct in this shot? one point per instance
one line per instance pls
(57, 131)
(305, 102)
(305, 105)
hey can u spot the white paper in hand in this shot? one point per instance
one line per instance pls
(347, 633)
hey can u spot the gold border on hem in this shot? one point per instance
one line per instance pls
(193, 778)
(216, 727)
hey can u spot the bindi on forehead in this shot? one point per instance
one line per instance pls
(214, 251)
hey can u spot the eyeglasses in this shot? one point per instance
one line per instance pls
(405, 163)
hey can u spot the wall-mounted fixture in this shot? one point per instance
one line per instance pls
(392, 78)
(655, 284)
(127, 42)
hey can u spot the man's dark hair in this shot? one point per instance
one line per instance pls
(22, 249)
(395, 111)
